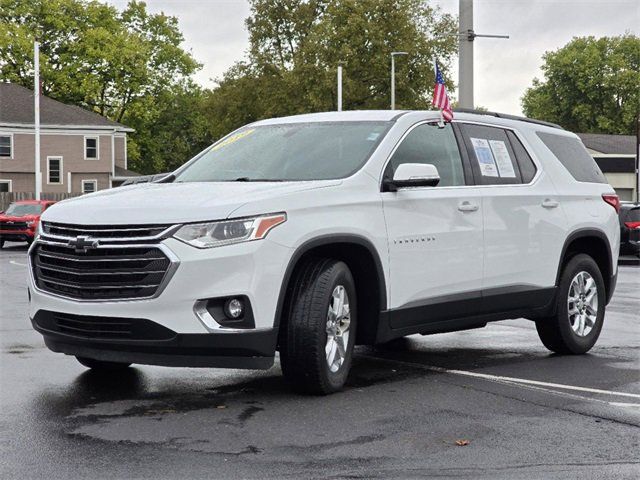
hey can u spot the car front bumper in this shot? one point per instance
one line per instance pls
(252, 269)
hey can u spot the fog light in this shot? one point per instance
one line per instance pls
(234, 308)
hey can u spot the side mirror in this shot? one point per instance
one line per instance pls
(413, 175)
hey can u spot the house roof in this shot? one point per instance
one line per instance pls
(16, 107)
(123, 172)
(609, 144)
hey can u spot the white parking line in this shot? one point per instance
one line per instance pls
(525, 381)
(535, 384)
(13, 262)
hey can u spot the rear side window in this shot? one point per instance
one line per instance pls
(527, 167)
(571, 153)
(493, 159)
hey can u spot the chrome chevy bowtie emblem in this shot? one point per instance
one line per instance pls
(82, 243)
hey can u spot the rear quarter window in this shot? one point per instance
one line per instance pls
(576, 159)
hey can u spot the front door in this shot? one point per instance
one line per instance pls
(434, 234)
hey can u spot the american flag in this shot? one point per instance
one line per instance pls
(440, 97)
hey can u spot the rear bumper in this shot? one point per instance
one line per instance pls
(252, 349)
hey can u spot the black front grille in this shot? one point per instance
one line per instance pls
(103, 231)
(102, 328)
(13, 226)
(104, 273)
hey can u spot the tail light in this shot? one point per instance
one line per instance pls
(612, 200)
(632, 225)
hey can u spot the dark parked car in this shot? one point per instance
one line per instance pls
(630, 228)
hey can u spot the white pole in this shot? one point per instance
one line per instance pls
(465, 58)
(36, 110)
(393, 82)
(339, 88)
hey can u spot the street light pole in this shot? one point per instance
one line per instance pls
(393, 77)
(36, 111)
(339, 87)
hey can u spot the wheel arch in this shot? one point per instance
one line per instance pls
(363, 260)
(594, 243)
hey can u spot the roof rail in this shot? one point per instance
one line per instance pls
(508, 117)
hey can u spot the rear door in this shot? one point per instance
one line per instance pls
(523, 224)
(434, 233)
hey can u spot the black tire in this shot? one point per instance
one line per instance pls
(556, 332)
(102, 366)
(304, 337)
(1, 243)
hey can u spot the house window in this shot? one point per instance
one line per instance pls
(54, 170)
(6, 146)
(89, 186)
(5, 186)
(91, 148)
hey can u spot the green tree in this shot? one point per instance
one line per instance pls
(590, 85)
(295, 47)
(124, 65)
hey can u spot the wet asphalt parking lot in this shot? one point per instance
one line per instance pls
(524, 412)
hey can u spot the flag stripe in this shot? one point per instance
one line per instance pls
(440, 96)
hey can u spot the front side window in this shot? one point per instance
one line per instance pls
(54, 170)
(288, 152)
(91, 148)
(89, 186)
(6, 145)
(428, 143)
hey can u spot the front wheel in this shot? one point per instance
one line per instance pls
(102, 366)
(576, 326)
(316, 343)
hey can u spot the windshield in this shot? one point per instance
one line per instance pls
(297, 151)
(22, 209)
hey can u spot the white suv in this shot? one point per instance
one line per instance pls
(309, 234)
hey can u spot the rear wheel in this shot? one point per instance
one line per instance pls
(102, 366)
(576, 326)
(316, 343)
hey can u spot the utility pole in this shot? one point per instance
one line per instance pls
(466, 36)
(393, 77)
(339, 87)
(36, 111)
(638, 159)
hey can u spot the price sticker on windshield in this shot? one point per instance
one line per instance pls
(232, 139)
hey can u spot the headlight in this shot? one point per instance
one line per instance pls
(226, 232)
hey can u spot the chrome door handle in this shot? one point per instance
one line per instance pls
(548, 203)
(467, 207)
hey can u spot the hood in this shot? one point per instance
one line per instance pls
(166, 203)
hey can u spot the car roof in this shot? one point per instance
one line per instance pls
(493, 118)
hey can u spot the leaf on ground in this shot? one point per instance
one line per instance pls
(462, 443)
(221, 406)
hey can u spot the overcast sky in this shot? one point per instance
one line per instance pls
(215, 33)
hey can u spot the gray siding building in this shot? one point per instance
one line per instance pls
(80, 151)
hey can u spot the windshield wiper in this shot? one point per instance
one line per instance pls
(248, 179)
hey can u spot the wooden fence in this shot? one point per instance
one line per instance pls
(7, 197)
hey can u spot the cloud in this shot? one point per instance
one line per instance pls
(215, 33)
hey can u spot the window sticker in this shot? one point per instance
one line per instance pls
(485, 157)
(232, 139)
(503, 159)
